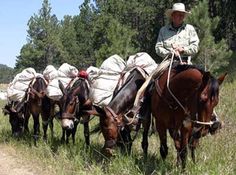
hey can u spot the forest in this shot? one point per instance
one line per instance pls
(104, 28)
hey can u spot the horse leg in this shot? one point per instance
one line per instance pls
(145, 112)
(45, 128)
(51, 116)
(63, 136)
(73, 132)
(192, 146)
(26, 118)
(183, 148)
(51, 127)
(26, 123)
(36, 127)
(162, 132)
(68, 133)
(146, 126)
(124, 140)
(86, 133)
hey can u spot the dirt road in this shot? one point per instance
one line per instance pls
(12, 163)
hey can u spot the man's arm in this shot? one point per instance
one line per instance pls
(193, 43)
(160, 50)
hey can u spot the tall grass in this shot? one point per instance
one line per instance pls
(215, 155)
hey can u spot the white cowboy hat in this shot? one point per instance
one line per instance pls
(180, 7)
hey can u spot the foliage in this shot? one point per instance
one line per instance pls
(44, 46)
(214, 155)
(6, 74)
(103, 28)
(213, 56)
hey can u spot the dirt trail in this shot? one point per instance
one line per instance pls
(12, 164)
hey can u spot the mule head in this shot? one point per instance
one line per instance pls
(69, 109)
(16, 119)
(70, 106)
(37, 88)
(110, 123)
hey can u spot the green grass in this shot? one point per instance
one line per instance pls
(216, 155)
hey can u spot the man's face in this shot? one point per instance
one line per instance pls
(177, 18)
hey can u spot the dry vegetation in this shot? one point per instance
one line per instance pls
(215, 155)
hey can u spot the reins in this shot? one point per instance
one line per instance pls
(168, 83)
(175, 98)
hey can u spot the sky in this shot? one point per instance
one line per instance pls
(14, 16)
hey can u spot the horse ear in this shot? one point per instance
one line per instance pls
(205, 79)
(221, 78)
(61, 86)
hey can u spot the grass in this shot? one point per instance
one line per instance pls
(216, 155)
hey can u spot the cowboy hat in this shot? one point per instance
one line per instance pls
(180, 7)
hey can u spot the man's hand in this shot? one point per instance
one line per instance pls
(178, 49)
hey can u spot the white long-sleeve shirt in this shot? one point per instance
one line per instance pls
(185, 36)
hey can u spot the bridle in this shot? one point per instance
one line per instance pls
(189, 119)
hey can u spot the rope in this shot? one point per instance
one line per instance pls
(168, 83)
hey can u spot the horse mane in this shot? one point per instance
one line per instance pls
(212, 82)
(129, 78)
(213, 87)
(182, 67)
(77, 85)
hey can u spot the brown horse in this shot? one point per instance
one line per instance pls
(183, 104)
(37, 103)
(113, 121)
(75, 99)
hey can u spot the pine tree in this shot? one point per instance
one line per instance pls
(111, 35)
(213, 56)
(84, 24)
(43, 46)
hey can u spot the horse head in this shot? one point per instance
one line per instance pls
(74, 97)
(208, 100)
(16, 118)
(37, 89)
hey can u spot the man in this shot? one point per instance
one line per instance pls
(177, 37)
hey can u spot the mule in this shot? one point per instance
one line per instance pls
(75, 99)
(114, 121)
(37, 103)
(15, 110)
(183, 105)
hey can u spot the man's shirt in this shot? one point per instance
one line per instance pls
(185, 36)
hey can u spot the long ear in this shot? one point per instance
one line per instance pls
(5, 111)
(61, 86)
(221, 78)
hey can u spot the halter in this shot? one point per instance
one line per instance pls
(71, 115)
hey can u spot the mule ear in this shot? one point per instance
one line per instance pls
(61, 86)
(5, 111)
(221, 78)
